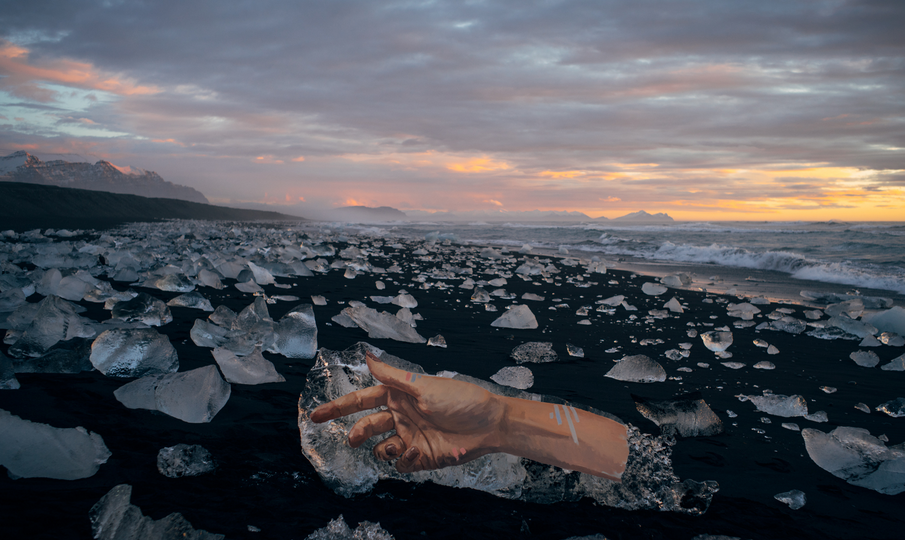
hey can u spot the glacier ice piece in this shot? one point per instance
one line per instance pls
(114, 517)
(261, 275)
(254, 313)
(295, 335)
(744, 311)
(8, 379)
(779, 405)
(896, 364)
(638, 368)
(717, 341)
(534, 352)
(184, 460)
(733, 365)
(892, 339)
(849, 326)
(192, 300)
(867, 359)
(789, 325)
(72, 356)
(480, 296)
(337, 529)
(382, 325)
(194, 396)
(52, 320)
(139, 394)
(518, 377)
(648, 481)
(519, 316)
(894, 408)
(144, 308)
(764, 364)
(674, 305)
(653, 289)
(686, 414)
(857, 457)
(532, 296)
(249, 287)
(251, 369)
(574, 350)
(796, 499)
(891, 320)
(35, 450)
(405, 300)
(850, 308)
(133, 352)
(174, 283)
(437, 341)
(209, 279)
(205, 334)
(223, 316)
(612, 301)
(11, 299)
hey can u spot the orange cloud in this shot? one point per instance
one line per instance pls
(268, 159)
(482, 164)
(561, 174)
(299, 159)
(494, 201)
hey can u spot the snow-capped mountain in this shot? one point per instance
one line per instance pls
(102, 176)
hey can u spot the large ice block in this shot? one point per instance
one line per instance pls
(295, 335)
(194, 396)
(144, 308)
(857, 457)
(53, 320)
(133, 353)
(72, 356)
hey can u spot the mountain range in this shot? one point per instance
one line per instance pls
(101, 176)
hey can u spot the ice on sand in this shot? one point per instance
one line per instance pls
(295, 335)
(192, 396)
(519, 317)
(688, 414)
(891, 320)
(897, 364)
(8, 379)
(192, 300)
(894, 408)
(205, 334)
(184, 460)
(72, 356)
(795, 499)
(518, 377)
(857, 457)
(653, 289)
(779, 405)
(114, 517)
(337, 529)
(717, 341)
(251, 369)
(34, 450)
(535, 352)
(382, 325)
(133, 353)
(51, 321)
(638, 368)
(867, 359)
(144, 308)
(648, 482)
(405, 300)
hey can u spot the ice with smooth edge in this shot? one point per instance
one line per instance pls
(787, 324)
(337, 529)
(295, 335)
(223, 316)
(43, 326)
(405, 300)
(192, 300)
(251, 369)
(857, 457)
(184, 460)
(867, 359)
(205, 334)
(382, 325)
(638, 368)
(779, 405)
(254, 313)
(34, 450)
(744, 311)
(674, 306)
(849, 326)
(653, 289)
(173, 283)
(850, 308)
(133, 352)
(72, 356)
(114, 517)
(518, 377)
(519, 317)
(897, 364)
(648, 482)
(796, 499)
(194, 396)
(894, 408)
(686, 414)
(613, 301)
(144, 308)
(261, 275)
(717, 341)
(574, 350)
(535, 352)
(891, 320)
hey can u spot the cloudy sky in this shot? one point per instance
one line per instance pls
(709, 109)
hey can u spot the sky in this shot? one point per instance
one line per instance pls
(705, 110)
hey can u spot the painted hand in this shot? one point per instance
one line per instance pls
(439, 422)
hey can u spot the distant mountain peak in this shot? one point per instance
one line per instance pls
(641, 215)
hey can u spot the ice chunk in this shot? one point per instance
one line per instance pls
(34, 450)
(857, 457)
(891, 320)
(676, 280)
(8, 379)
(850, 308)
(857, 328)
(819, 417)
(480, 296)
(894, 408)
(897, 364)
(863, 407)
(249, 287)
(382, 299)
(133, 353)
(174, 283)
(254, 313)
(788, 324)
(638, 368)
(223, 316)
(534, 352)
(674, 306)
(733, 365)
(144, 308)
(261, 275)
(612, 301)
(779, 405)
(251, 369)
(193, 396)
(114, 517)
(337, 529)
(574, 350)
(318, 300)
(764, 364)
(295, 335)
(688, 414)
(772, 350)
(532, 296)
(744, 311)
(53, 320)
(184, 460)
(867, 359)
(209, 279)
(383, 325)
(648, 481)
(437, 341)
(205, 334)
(795, 498)
(405, 300)
(717, 341)
(72, 356)
(519, 316)
(892, 339)
(653, 289)
(11, 299)
(139, 394)
(192, 300)
(514, 376)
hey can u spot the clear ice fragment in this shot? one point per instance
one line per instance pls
(192, 300)
(891, 320)
(857, 457)
(251, 369)
(133, 353)
(205, 334)
(337, 529)
(894, 408)
(686, 414)
(638, 368)
(194, 396)
(534, 352)
(52, 320)
(383, 325)
(405, 300)
(519, 316)
(114, 517)
(764, 364)
(780, 405)
(866, 359)
(574, 350)
(896, 364)
(518, 377)
(184, 460)
(295, 335)
(8, 379)
(437, 341)
(717, 341)
(653, 289)
(143, 308)
(795, 498)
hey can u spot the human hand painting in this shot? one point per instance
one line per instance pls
(441, 422)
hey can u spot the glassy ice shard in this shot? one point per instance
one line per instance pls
(72, 356)
(686, 414)
(337, 529)
(194, 396)
(295, 335)
(779, 405)
(192, 300)
(133, 353)
(251, 369)
(653, 289)
(382, 325)
(518, 377)
(534, 352)
(144, 308)
(638, 368)
(51, 321)
(717, 341)
(857, 457)
(184, 460)
(796, 499)
(519, 316)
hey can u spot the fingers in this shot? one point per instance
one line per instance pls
(409, 462)
(360, 400)
(394, 377)
(367, 427)
(390, 448)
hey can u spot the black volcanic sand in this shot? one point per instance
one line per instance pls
(264, 481)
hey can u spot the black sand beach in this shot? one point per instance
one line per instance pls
(263, 482)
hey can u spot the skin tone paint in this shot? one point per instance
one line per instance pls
(441, 422)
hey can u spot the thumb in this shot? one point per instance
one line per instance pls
(406, 381)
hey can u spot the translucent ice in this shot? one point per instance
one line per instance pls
(688, 414)
(205, 334)
(857, 457)
(638, 368)
(34, 450)
(383, 325)
(295, 335)
(192, 300)
(867, 359)
(894, 408)
(744, 311)
(788, 324)
(717, 341)
(648, 481)
(795, 498)
(254, 313)
(897, 364)
(209, 279)
(337, 529)
(850, 308)
(8, 379)
(480, 296)
(223, 316)
(144, 308)
(534, 352)
(891, 320)
(405, 300)
(612, 301)
(676, 280)
(437, 341)
(133, 353)
(53, 320)
(779, 405)
(519, 316)
(114, 517)
(261, 275)
(194, 396)
(674, 306)
(72, 356)
(173, 283)
(857, 328)
(653, 289)
(574, 350)
(184, 460)
(251, 369)
(514, 376)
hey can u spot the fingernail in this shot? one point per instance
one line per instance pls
(391, 449)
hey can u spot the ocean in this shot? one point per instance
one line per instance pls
(779, 257)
